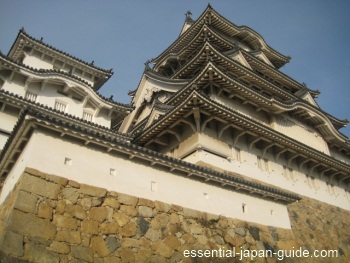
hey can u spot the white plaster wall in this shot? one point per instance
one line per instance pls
(8, 119)
(339, 156)
(14, 88)
(300, 132)
(48, 95)
(92, 167)
(17, 171)
(37, 63)
(297, 183)
(3, 139)
(247, 110)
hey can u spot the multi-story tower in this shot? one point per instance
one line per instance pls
(35, 74)
(216, 98)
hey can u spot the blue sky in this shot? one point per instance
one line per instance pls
(124, 34)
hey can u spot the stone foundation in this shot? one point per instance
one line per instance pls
(52, 219)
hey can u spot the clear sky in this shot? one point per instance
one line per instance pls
(124, 34)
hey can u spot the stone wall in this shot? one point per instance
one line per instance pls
(52, 219)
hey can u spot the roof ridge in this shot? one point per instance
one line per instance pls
(24, 33)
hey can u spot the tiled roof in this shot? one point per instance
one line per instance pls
(109, 72)
(183, 168)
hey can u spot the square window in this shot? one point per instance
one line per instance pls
(31, 96)
(60, 106)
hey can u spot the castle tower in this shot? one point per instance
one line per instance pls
(216, 98)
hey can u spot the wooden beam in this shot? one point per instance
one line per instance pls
(253, 142)
(279, 153)
(237, 136)
(197, 118)
(222, 128)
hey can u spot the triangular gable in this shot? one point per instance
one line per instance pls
(240, 58)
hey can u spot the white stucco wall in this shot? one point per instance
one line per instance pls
(36, 62)
(47, 94)
(295, 181)
(132, 177)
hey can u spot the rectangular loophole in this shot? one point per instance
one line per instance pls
(68, 161)
(153, 186)
(112, 171)
(244, 208)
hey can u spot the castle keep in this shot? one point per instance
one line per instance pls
(217, 149)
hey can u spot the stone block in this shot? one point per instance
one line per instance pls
(112, 243)
(71, 237)
(83, 253)
(112, 202)
(98, 213)
(35, 253)
(65, 222)
(109, 228)
(145, 243)
(37, 241)
(172, 242)
(26, 202)
(130, 242)
(146, 202)
(60, 247)
(176, 208)
(45, 210)
(128, 230)
(34, 172)
(174, 218)
(157, 259)
(76, 211)
(56, 179)
(143, 225)
(161, 249)
(211, 217)
(74, 184)
(230, 240)
(39, 186)
(255, 232)
(160, 220)
(188, 238)
(60, 207)
(202, 239)
(121, 218)
(92, 190)
(86, 203)
(287, 245)
(96, 201)
(190, 213)
(240, 231)
(145, 211)
(100, 247)
(89, 227)
(162, 207)
(71, 194)
(12, 244)
(153, 234)
(126, 254)
(129, 210)
(196, 229)
(127, 199)
(29, 224)
(143, 254)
